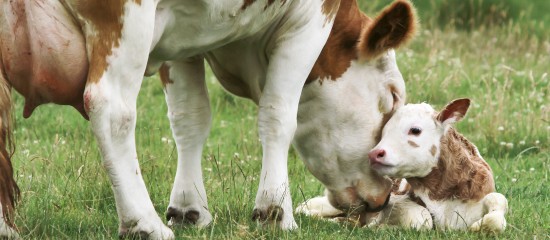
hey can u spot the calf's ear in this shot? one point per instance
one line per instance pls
(393, 27)
(454, 111)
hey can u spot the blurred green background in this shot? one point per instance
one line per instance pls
(533, 16)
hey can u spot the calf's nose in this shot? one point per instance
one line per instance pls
(377, 156)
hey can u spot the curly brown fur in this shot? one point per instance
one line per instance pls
(460, 174)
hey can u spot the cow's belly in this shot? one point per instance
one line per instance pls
(240, 68)
(190, 27)
(42, 53)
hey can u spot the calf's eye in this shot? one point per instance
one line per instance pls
(415, 131)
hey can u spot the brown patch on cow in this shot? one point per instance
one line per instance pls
(346, 200)
(164, 73)
(330, 8)
(341, 46)
(9, 192)
(351, 194)
(385, 118)
(393, 27)
(433, 150)
(413, 144)
(377, 202)
(460, 173)
(105, 19)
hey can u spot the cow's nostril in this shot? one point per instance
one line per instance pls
(381, 154)
(377, 156)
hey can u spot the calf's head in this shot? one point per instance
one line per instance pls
(410, 144)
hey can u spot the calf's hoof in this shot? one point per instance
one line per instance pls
(494, 222)
(190, 216)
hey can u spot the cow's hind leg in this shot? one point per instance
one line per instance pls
(289, 65)
(110, 101)
(190, 117)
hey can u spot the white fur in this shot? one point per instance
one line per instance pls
(271, 50)
(337, 122)
(486, 214)
(266, 41)
(6, 232)
(190, 118)
(112, 111)
(403, 160)
(402, 211)
(318, 207)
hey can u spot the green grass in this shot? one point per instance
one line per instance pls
(503, 69)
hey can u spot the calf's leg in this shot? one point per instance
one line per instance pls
(402, 212)
(495, 207)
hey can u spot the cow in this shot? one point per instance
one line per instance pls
(445, 172)
(440, 179)
(323, 74)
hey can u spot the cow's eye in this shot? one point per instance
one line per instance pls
(415, 131)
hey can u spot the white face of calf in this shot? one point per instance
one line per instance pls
(411, 139)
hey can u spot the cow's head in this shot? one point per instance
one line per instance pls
(393, 27)
(411, 139)
(353, 87)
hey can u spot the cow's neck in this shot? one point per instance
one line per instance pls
(340, 49)
(460, 173)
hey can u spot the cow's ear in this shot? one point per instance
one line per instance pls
(454, 111)
(393, 27)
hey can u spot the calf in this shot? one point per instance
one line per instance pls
(445, 171)
(445, 176)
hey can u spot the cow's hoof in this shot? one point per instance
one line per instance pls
(272, 213)
(134, 235)
(142, 230)
(191, 216)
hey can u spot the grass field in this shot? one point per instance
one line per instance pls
(502, 67)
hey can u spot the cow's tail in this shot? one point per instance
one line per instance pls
(9, 192)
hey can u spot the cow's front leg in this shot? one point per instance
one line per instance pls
(289, 65)
(190, 118)
(117, 62)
